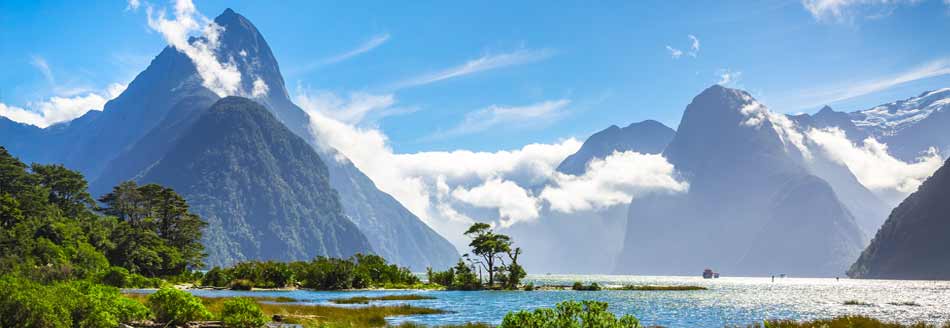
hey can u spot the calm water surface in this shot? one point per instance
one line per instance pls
(729, 301)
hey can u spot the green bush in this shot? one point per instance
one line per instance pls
(216, 277)
(569, 314)
(580, 287)
(24, 303)
(242, 312)
(115, 277)
(241, 284)
(173, 306)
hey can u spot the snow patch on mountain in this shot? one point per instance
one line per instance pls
(888, 119)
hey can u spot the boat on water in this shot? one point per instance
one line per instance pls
(709, 274)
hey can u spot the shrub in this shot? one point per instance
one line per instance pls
(25, 303)
(580, 287)
(216, 277)
(242, 312)
(175, 306)
(569, 314)
(116, 277)
(529, 287)
(241, 284)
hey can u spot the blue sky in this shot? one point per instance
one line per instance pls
(499, 75)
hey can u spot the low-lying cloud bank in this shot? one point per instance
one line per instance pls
(450, 190)
(59, 109)
(870, 162)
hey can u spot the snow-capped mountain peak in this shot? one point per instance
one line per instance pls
(888, 119)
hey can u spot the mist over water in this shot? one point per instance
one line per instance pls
(728, 301)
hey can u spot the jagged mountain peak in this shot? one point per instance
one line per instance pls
(826, 110)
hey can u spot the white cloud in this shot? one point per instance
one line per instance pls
(757, 115)
(675, 53)
(370, 44)
(365, 47)
(259, 89)
(693, 48)
(356, 108)
(60, 109)
(484, 63)
(450, 189)
(845, 11)
(847, 90)
(222, 78)
(513, 202)
(133, 5)
(694, 45)
(728, 77)
(494, 116)
(611, 181)
(41, 64)
(872, 165)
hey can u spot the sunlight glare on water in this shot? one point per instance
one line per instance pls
(728, 301)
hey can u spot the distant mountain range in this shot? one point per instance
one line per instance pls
(136, 132)
(752, 208)
(749, 184)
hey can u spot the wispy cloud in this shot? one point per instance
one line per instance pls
(493, 116)
(357, 108)
(847, 90)
(692, 52)
(484, 63)
(364, 47)
(41, 64)
(222, 78)
(694, 45)
(728, 77)
(132, 5)
(675, 53)
(846, 11)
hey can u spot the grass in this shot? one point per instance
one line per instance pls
(659, 288)
(278, 299)
(323, 316)
(909, 303)
(366, 300)
(856, 302)
(842, 322)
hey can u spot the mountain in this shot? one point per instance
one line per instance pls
(147, 121)
(263, 190)
(913, 242)
(868, 208)
(911, 126)
(752, 208)
(599, 232)
(649, 137)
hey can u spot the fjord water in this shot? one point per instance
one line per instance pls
(727, 302)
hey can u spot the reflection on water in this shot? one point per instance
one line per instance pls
(728, 301)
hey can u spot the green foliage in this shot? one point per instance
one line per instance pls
(322, 273)
(580, 286)
(488, 246)
(241, 284)
(242, 312)
(24, 303)
(158, 236)
(173, 306)
(216, 277)
(569, 314)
